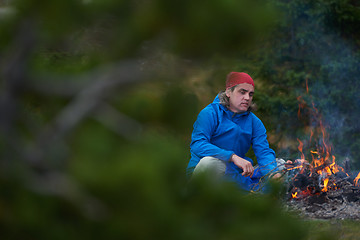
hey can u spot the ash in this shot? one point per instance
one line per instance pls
(337, 204)
(342, 202)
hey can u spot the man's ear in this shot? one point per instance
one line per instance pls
(227, 92)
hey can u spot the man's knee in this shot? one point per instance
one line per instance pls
(210, 164)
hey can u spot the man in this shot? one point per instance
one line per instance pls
(224, 132)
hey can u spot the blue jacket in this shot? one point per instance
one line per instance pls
(220, 133)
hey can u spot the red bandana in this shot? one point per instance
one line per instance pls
(235, 78)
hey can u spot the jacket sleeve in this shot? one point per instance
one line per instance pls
(204, 127)
(264, 154)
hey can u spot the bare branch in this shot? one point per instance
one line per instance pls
(104, 81)
(118, 122)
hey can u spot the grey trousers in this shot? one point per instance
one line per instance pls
(216, 166)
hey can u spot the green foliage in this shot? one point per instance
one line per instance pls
(84, 159)
(173, 101)
(61, 63)
(316, 43)
(196, 29)
(139, 191)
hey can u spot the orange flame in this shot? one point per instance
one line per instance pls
(356, 180)
(302, 105)
(296, 167)
(307, 86)
(326, 181)
(300, 148)
(294, 195)
(323, 162)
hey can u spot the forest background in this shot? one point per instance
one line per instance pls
(98, 99)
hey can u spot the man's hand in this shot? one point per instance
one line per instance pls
(277, 176)
(245, 165)
(289, 164)
(297, 162)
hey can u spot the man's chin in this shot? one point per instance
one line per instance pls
(243, 109)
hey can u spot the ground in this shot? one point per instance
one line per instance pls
(337, 229)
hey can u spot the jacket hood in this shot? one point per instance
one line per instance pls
(225, 109)
(217, 99)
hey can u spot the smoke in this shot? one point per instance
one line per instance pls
(335, 92)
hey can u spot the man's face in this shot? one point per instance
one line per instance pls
(240, 99)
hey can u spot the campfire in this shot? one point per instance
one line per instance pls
(318, 186)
